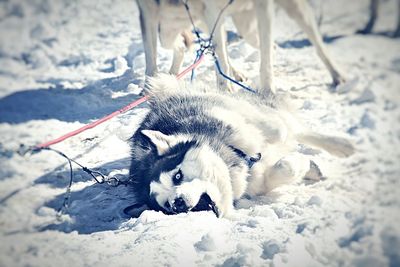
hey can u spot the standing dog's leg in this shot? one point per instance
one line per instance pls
(182, 42)
(301, 12)
(397, 31)
(219, 41)
(373, 13)
(265, 14)
(179, 52)
(178, 42)
(148, 24)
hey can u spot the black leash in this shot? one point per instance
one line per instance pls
(207, 45)
(99, 177)
(219, 17)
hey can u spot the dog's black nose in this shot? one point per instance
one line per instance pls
(180, 205)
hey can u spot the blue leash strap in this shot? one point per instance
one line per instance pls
(198, 55)
(230, 79)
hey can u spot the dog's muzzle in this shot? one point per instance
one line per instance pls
(179, 205)
(205, 203)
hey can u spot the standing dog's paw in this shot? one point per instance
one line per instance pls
(337, 81)
(238, 76)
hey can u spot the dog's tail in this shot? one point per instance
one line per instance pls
(163, 84)
(338, 146)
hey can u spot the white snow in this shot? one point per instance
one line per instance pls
(66, 63)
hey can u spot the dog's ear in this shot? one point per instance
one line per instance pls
(135, 210)
(162, 141)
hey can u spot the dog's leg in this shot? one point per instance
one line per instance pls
(175, 38)
(291, 168)
(219, 41)
(302, 13)
(246, 24)
(148, 24)
(181, 44)
(397, 31)
(373, 13)
(265, 14)
(179, 52)
(335, 145)
(220, 193)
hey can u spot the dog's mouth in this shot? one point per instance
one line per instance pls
(206, 203)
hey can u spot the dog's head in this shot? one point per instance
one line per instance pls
(185, 176)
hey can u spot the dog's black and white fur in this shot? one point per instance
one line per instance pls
(168, 20)
(203, 150)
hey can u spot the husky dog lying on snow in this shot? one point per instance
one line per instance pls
(203, 150)
(169, 20)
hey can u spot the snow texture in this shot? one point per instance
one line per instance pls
(66, 63)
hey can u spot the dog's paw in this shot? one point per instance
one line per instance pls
(314, 174)
(347, 86)
(338, 80)
(366, 30)
(238, 76)
(224, 210)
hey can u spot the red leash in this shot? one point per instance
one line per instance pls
(115, 113)
(194, 65)
(93, 124)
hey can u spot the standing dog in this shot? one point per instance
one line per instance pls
(253, 20)
(203, 150)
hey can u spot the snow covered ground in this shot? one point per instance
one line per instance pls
(66, 63)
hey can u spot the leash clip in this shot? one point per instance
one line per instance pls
(23, 150)
(97, 176)
(113, 181)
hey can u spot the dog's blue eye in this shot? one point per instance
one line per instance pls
(177, 179)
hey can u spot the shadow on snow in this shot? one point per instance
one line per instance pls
(91, 102)
(94, 208)
(306, 42)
